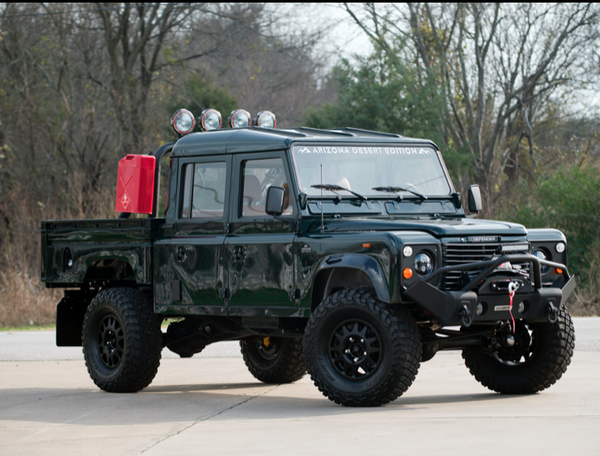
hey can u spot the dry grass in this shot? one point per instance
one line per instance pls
(585, 301)
(24, 301)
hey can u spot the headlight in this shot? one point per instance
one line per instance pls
(183, 122)
(240, 118)
(210, 120)
(265, 119)
(423, 264)
(542, 256)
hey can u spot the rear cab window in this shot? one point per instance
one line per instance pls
(204, 190)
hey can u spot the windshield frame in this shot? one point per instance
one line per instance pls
(374, 195)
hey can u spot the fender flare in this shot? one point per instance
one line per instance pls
(363, 263)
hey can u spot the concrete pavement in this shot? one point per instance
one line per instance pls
(211, 404)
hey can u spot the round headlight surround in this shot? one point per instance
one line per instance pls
(210, 120)
(183, 122)
(542, 254)
(423, 263)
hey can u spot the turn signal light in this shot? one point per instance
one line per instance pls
(407, 273)
(559, 271)
(366, 245)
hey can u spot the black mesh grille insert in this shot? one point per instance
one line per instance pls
(459, 254)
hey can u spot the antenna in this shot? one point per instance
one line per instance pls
(322, 223)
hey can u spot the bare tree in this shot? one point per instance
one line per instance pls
(497, 65)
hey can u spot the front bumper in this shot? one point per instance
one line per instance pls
(539, 303)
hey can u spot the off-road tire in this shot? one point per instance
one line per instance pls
(281, 361)
(551, 353)
(121, 340)
(390, 334)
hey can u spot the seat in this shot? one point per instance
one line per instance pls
(252, 195)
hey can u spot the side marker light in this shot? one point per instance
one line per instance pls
(407, 273)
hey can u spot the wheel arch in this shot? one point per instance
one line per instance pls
(111, 270)
(349, 271)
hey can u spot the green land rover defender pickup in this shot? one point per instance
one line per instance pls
(343, 253)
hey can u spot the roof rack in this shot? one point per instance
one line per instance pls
(368, 132)
(279, 131)
(319, 131)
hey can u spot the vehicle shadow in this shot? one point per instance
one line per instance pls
(199, 402)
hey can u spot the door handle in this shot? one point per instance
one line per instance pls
(181, 255)
(239, 252)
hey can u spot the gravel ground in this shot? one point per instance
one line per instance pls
(40, 345)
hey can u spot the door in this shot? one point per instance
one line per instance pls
(259, 250)
(195, 248)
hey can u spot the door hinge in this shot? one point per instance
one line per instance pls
(294, 293)
(176, 290)
(224, 293)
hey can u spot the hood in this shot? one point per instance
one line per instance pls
(438, 228)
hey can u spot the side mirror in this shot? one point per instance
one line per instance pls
(275, 200)
(475, 205)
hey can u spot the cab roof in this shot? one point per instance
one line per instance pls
(254, 139)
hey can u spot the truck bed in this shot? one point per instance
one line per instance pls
(76, 253)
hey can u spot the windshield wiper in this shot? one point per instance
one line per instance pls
(332, 187)
(398, 189)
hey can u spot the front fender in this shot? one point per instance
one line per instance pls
(362, 263)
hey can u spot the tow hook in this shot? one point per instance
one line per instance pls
(465, 316)
(552, 313)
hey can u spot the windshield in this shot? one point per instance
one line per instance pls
(360, 168)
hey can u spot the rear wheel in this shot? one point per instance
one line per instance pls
(539, 357)
(359, 351)
(121, 340)
(274, 359)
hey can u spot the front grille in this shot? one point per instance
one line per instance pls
(465, 253)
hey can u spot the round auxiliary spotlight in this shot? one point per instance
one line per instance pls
(265, 119)
(210, 120)
(240, 118)
(183, 122)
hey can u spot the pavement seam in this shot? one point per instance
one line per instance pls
(208, 418)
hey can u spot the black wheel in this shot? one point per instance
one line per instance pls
(359, 351)
(539, 357)
(121, 340)
(274, 359)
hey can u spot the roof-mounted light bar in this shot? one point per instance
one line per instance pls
(210, 120)
(183, 122)
(240, 118)
(265, 119)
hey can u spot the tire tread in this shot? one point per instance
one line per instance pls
(141, 357)
(552, 363)
(406, 348)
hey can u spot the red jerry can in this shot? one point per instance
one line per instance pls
(135, 184)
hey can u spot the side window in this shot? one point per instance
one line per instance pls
(204, 190)
(258, 176)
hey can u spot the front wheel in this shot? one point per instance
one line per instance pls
(121, 340)
(539, 357)
(359, 351)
